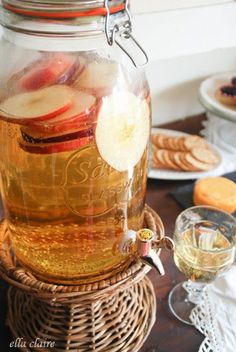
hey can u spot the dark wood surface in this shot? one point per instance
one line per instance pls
(168, 334)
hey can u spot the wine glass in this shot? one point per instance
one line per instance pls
(205, 246)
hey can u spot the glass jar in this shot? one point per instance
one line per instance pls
(74, 131)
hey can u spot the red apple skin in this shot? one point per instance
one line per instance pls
(75, 110)
(55, 69)
(27, 121)
(80, 122)
(50, 115)
(80, 67)
(29, 137)
(59, 104)
(59, 147)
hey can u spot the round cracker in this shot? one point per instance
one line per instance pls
(200, 166)
(166, 142)
(161, 141)
(176, 145)
(172, 156)
(171, 142)
(181, 144)
(204, 155)
(168, 160)
(157, 140)
(188, 166)
(160, 157)
(156, 163)
(194, 141)
(154, 139)
(181, 162)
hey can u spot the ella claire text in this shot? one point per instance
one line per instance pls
(37, 343)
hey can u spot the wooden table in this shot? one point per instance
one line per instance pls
(168, 334)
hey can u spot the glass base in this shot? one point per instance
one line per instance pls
(179, 303)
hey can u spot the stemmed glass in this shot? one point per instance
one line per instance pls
(205, 246)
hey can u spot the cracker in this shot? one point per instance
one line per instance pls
(181, 144)
(177, 143)
(171, 156)
(171, 143)
(161, 141)
(156, 164)
(168, 160)
(160, 157)
(198, 165)
(157, 140)
(154, 139)
(204, 155)
(187, 165)
(194, 141)
(166, 142)
(178, 157)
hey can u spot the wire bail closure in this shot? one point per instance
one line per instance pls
(124, 31)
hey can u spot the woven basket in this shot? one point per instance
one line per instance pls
(111, 315)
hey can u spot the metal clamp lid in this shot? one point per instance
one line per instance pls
(123, 31)
(116, 32)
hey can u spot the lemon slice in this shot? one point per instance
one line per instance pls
(123, 128)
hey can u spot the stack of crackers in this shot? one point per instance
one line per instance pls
(184, 153)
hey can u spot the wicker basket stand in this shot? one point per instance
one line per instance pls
(112, 315)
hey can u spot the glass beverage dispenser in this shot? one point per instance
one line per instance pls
(74, 131)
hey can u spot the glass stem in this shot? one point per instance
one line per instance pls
(195, 291)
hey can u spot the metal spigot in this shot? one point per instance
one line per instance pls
(145, 246)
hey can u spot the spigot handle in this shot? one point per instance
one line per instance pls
(144, 245)
(165, 243)
(147, 247)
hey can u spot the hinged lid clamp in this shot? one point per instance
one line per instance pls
(123, 31)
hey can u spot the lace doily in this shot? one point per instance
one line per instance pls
(215, 316)
(203, 319)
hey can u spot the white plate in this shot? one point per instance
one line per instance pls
(208, 99)
(183, 175)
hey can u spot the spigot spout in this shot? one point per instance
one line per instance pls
(144, 245)
(147, 248)
(154, 261)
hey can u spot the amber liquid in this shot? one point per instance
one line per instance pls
(202, 256)
(67, 212)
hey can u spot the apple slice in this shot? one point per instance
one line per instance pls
(34, 137)
(37, 106)
(98, 78)
(81, 106)
(57, 147)
(81, 114)
(123, 128)
(65, 127)
(79, 69)
(53, 68)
